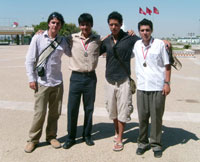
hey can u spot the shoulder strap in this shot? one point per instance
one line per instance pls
(173, 60)
(117, 56)
(120, 61)
(48, 50)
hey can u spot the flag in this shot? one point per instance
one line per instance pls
(155, 10)
(141, 11)
(148, 11)
(15, 23)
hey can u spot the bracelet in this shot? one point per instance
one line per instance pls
(167, 83)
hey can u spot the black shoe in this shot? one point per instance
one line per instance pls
(141, 151)
(69, 144)
(157, 154)
(88, 141)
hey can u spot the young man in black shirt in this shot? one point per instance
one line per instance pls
(119, 97)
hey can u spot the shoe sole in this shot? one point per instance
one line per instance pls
(27, 151)
(141, 153)
(68, 147)
(56, 147)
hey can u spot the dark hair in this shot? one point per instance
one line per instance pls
(115, 15)
(145, 22)
(57, 16)
(85, 17)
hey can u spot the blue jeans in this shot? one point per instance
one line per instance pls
(81, 84)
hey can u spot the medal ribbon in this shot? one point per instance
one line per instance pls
(85, 45)
(145, 55)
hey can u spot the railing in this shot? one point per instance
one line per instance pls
(4, 30)
(184, 53)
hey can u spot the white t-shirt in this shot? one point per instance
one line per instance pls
(150, 64)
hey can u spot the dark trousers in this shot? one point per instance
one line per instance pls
(81, 84)
(150, 105)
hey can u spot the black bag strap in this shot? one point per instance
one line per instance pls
(119, 59)
(173, 60)
(49, 49)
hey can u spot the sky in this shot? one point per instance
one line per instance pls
(177, 18)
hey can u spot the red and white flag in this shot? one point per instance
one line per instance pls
(148, 11)
(15, 23)
(155, 10)
(141, 11)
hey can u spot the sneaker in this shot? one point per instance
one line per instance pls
(30, 146)
(55, 143)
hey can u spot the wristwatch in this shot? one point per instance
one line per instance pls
(167, 83)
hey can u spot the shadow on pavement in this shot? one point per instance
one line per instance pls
(170, 137)
(106, 130)
(174, 136)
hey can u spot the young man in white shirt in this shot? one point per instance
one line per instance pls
(48, 86)
(153, 73)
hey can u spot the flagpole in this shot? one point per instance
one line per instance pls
(155, 12)
(153, 25)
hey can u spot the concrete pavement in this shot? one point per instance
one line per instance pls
(181, 125)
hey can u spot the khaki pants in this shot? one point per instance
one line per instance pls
(51, 96)
(150, 105)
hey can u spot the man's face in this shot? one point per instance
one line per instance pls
(86, 28)
(145, 32)
(54, 25)
(115, 26)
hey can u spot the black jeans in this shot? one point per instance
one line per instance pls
(81, 84)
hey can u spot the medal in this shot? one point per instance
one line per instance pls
(145, 64)
(86, 54)
(145, 55)
(85, 46)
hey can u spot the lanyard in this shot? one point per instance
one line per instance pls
(145, 54)
(85, 46)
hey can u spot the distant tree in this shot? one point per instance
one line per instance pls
(67, 29)
(41, 26)
(187, 46)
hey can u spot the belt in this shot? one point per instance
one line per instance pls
(84, 73)
(116, 82)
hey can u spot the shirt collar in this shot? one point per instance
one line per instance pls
(120, 35)
(80, 36)
(151, 42)
(45, 34)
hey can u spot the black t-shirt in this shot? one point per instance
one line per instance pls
(124, 46)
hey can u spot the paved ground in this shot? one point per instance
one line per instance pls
(181, 125)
